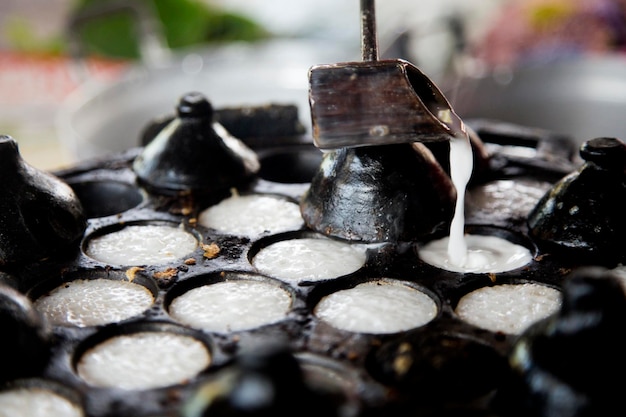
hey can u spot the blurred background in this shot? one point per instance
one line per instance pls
(80, 78)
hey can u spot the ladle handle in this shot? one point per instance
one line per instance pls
(369, 42)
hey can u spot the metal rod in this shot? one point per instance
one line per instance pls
(369, 43)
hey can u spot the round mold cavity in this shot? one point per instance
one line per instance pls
(38, 397)
(442, 366)
(491, 249)
(106, 198)
(143, 356)
(252, 215)
(505, 199)
(297, 257)
(296, 165)
(93, 298)
(141, 243)
(506, 307)
(374, 306)
(341, 382)
(226, 302)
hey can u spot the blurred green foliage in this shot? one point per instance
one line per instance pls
(114, 34)
(20, 35)
(184, 23)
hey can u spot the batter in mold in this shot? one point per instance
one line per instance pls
(468, 253)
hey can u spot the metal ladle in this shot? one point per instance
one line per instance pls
(376, 102)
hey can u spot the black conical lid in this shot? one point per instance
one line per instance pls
(194, 154)
(39, 213)
(584, 211)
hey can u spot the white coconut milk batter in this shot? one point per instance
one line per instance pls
(142, 361)
(92, 302)
(377, 307)
(231, 306)
(508, 308)
(252, 215)
(309, 259)
(36, 402)
(142, 245)
(461, 166)
(485, 254)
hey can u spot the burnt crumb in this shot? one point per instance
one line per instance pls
(166, 277)
(211, 250)
(167, 274)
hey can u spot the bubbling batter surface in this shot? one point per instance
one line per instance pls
(377, 307)
(508, 308)
(309, 259)
(92, 302)
(142, 245)
(252, 215)
(231, 306)
(143, 361)
(36, 402)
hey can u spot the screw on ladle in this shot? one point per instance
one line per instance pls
(376, 102)
(369, 42)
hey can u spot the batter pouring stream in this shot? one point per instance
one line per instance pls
(472, 253)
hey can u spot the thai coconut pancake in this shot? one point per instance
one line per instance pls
(310, 259)
(231, 306)
(94, 302)
(128, 361)
(377, 307)
(252, 215)
(508, 308)
(36, 402)
(242, 325)
(142, 245)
